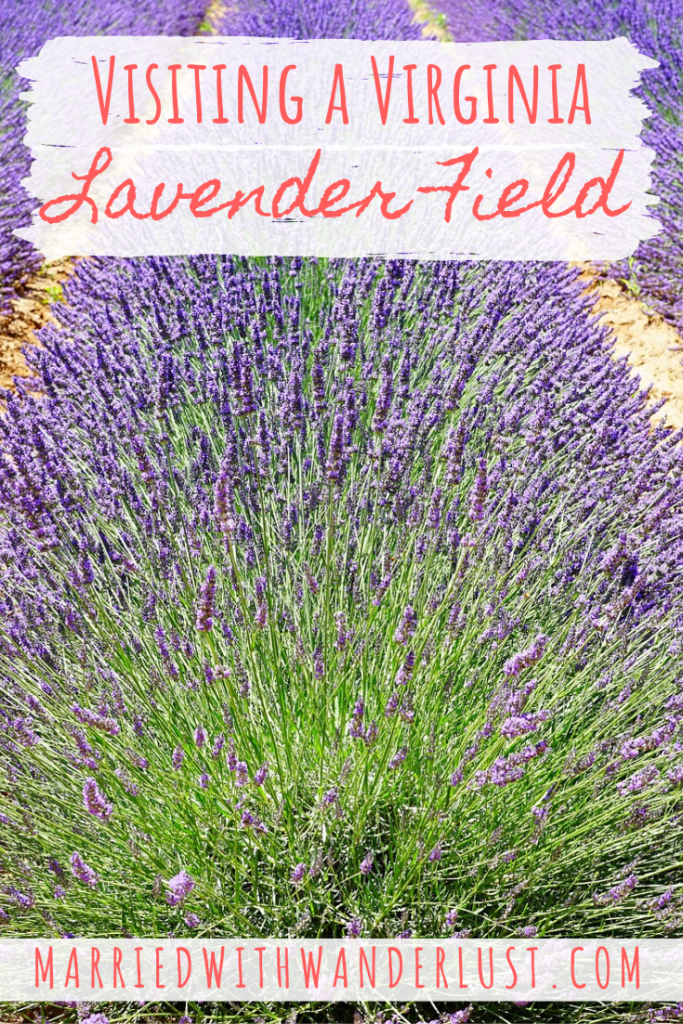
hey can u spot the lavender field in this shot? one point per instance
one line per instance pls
(340, 597)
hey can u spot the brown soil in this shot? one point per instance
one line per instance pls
(30, 312)
(434, 25)
(215, 13)
(654, 349)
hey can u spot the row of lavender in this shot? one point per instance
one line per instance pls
(356, 615)
(24, 28)
(656, 27)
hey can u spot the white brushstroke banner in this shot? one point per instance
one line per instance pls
(448, 969)
(505, 150)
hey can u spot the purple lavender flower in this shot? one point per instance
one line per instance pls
(311, 581)
(22, 899)
(515, 665)
(451, 919)
(96, 721)
(55, 867)
(94, 800)
(334, 463)
(460, 1016)
(177, 758)
(343, 635)
(200, 736)
(59, 892)
(405, 673)
(192, 921)
(205, 609)
(645, 777)
(356, 730)
(126, 781)
(354, 928)
(478, 493)
(249, 820)
(384, 397)
(398, 758)
(298, 873)
(331, 796)
(180, 886)
(261, 618)
(261, 775)
(392, 704)
(137, 759)
(435, 854)
(371, 733)
(82, 872)
(618, 892)
(366, 864)
(241, 774)
(518, 725)
(204, 780)
(217, 746)
(406, 627)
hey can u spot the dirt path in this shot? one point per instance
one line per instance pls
(30, 312)
(653, 347)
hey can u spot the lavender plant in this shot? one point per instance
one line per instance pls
(337, 597)
(24, 29)
(655, 27)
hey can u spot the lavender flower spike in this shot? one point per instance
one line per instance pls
(366, 864)
(180, 886)
(205, 606)
(406, 627)
(95, 802)
(82, 872)
(298, 873)
(478, 493)
(525, 658)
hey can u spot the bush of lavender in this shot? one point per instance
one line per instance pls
(337, 598)
(24, 28)
(656, 28)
